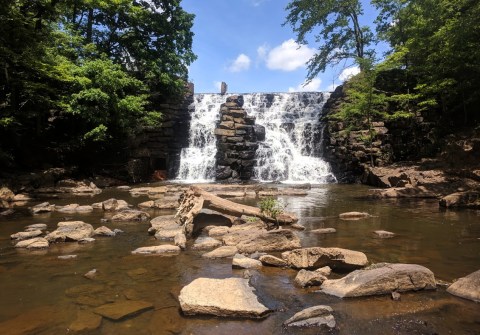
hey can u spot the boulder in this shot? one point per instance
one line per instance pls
(44, 207)
(242, 262)
(353, 215)
(467, 287)
(222, 252)
(21, 198)
(469, 199)
(324, 231)
(112, 205)
(230, 297)
(272, 261)
(383, 234)
(122, 309)
(379, 279)
(25, 235)
(71, 208)
(165, 227)
(205, 243)
(307, 278)
(70, 231)
(274, 240)
(157, 249)
(313, 316)
(131, 215)
(180, 240)
(103, 231)
(316, 257)
(34, 243)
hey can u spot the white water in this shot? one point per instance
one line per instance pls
(290, 152)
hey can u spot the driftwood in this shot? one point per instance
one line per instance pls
(193, 200)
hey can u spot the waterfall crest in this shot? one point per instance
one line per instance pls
(291, 152)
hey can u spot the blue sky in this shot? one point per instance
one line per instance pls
(243, 43)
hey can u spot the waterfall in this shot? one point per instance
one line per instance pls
(197, 162)
(292, 148)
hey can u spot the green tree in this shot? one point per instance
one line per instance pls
(340, 34)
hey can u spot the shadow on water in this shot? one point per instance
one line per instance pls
(36, 286)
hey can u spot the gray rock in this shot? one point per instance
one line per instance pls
(222, 252)
(307, 278)
(157, 249)
(242, 262)
(34, 243)
(180, 240)
(230, 297)
(313, 316)
(70, 231)
(467, 287)
(122, 309)
(205, 243)
(131, 215)
(272, 261)
(316, 257)
(103, 231)
(25, 235)
(381, 278)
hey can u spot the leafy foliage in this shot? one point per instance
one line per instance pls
(271, 207)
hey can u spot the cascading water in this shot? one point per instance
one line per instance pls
(292, 147)
(197, 162)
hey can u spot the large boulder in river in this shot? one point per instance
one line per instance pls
(131, 215)
(317, 257)
(232, 297)
(469, 199)
(379, 279)
(467, 287)
(70, 231)
(274, 240)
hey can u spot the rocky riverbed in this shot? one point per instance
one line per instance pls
(106, 263)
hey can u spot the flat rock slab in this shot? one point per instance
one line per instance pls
(274, 240)
(33, 243)
(242, 262)
(353, 215)
(205, 243)
(316, 257)
(230, 297)
(467, 287)
(123, 309)
(85, 321)
(313, 316)
(381, 278)
(70, 231)
(324, 231)
(270, 260)
(222, 252)
(383, 234)
(157, 249)
(24, 235)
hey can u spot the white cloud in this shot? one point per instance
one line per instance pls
(348, 73)
(242, 63)
(262, 51)
(289, 56)
(312, 86)
(257, 3)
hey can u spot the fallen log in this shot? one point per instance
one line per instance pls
(193, 200)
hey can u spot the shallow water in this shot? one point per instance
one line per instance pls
(33, 283)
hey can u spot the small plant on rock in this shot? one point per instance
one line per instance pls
(271, 207)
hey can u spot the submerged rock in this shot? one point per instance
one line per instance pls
(70, 231)
(383, 234)
(242, 262)
(467, 287)
(157, 249)
(230, 297)
(381, 278)
(353, 215)
(313, 316)
(122, 309)
(85, 321)
(316, 257)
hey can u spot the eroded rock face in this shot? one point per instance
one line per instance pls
(71, 231)
(467, 287)
(313, 316)
(316, 257)
(230, 297)
(380, 279)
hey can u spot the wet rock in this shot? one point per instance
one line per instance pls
(86, 240)
(313, 316)
(6, 194)
(469, 199)
(274, 240)
(383, 234)
(131, 215)
(242, 262)
(180, 240)
(205, 243)
(118, 231)
(70, 231)
(165, 227)
(379, 279)
(270, 260)
(91, 274)
(34, 243)
(316, 257)
(36, 226)
(353, 215)
(65, 257)
(111, 204)
(467, 287)
(222, 252)
(157, 249)
(324, 231)
(44, 207)
(103, 231)
(230, 297)
(7, 212)
(85, 321)
(25, 235)
(307, 278)
(34, 321)
(159, 204)
(122, 309)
